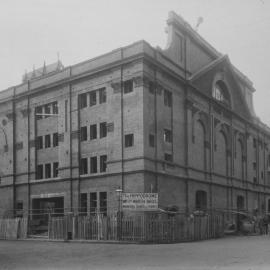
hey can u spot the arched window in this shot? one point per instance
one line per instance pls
(220, 159)
(201, 199)
(238, 168)
(220, 93)
(197, 157)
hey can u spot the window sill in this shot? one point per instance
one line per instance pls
(93, 174)
(45, 180)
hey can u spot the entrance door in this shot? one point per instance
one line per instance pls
(240, 207)
(42, 209)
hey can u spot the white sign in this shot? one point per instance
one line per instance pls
(139, 201)
(48, 195)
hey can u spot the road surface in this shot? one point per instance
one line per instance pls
(237, 252)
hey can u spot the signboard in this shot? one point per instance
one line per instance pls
(139, 201)
(48, 195)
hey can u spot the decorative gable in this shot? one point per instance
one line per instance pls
(218, 80)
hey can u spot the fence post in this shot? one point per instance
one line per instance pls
(74, 227)
(119, 225)
(49, 226)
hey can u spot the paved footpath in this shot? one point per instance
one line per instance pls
(245, 253)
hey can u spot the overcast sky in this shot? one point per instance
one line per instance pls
(35, 30)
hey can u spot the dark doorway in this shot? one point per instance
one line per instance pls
(268, 208)
(240, 203)
(201, 200)
(42, 209)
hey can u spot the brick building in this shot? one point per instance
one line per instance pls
(178, 121)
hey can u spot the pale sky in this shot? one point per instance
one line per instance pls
(35, 30)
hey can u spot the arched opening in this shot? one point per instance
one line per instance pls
(201, 200)
(238, 164)
(220, 92)
(220, 158)
(198, 146)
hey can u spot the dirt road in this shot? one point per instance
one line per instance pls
(228, 253)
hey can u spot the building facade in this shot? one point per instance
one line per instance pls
(178, 121)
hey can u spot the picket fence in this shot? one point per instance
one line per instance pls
(13, 228)
(138, 228)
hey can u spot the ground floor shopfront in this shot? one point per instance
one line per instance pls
(103, 194)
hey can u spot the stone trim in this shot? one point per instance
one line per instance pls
(60, 137)
(10, 116)
(75, 134)
(110, 127)
(19, 145)
(116, 87)
(25, 112)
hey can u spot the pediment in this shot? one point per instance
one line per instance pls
(221, 70)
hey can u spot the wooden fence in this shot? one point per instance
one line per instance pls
(137, 228)
(13, 228)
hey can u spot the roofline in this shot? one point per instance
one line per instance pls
(138, 55)
(139, 42)
(208, 67)
(174, 18)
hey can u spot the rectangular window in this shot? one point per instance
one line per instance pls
(168, 157)
(19, 205)
(103, 129)
(128, 86)
(103, 163)
(152, 87)
(151, 140)
(93, 98)
(47, 110)
(83, 166)
(254, 166)
(83, 204)
(82, 101)
(102, 95)
(167, 135)
(167, 98)
(83, 134)
(48, 170)
(254, 143)
(93, 202)
(39, 112)
(129, 140)
(48, 141)
(93, 132)
(66, 115)
(39, 142)
(110, 127)
(93, 164)
(39, 173)
(55, 139)
(55, 107)
(103, 203)
(55, 169)
(19, 208)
